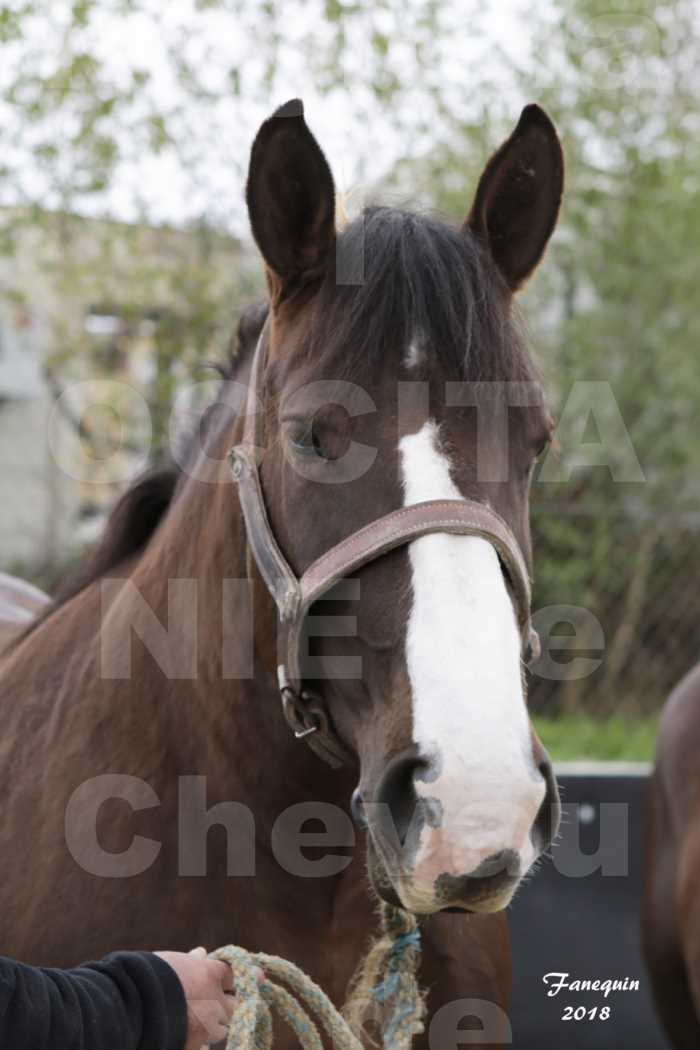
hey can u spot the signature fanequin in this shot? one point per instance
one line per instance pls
(557, 982)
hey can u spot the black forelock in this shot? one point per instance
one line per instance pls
(415, 279)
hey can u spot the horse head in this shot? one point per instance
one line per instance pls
(394, 375)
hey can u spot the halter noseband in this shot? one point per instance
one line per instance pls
(303, 710)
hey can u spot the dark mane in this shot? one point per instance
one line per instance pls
(140, 509)
(416, 278)
(129, 527)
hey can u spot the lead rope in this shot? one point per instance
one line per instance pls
(385, 988)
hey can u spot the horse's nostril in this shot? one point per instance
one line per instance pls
(357, 808)
(396, 794)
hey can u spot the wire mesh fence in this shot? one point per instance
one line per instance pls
(624, 627)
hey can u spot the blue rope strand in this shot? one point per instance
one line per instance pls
(389, 988)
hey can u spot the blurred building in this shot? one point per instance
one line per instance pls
(39, 504)
(91, 305)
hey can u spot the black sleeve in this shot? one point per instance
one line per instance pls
(127, 1001)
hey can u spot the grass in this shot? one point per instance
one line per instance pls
(618, 738)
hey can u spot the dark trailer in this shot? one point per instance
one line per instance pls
(579, 917)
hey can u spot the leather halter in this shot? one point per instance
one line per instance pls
(304, 710)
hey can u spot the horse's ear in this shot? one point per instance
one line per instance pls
(291, 200)
(518, 197)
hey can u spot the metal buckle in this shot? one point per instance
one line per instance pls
(301, 733)
(295, 715)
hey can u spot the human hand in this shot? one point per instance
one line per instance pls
(206, 983)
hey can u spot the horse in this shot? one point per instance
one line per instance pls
(670, 912)
(154, 795)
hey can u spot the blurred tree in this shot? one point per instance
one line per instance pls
(99, 92)
(614, 303)
(143, 110)
(623, 86)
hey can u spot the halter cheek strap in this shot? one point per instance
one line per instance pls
(293, 597)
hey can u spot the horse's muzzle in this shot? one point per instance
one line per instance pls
(428, 865)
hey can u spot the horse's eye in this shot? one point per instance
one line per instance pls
(306, 441)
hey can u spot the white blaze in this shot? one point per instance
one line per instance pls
(415, 355)
(463, 659)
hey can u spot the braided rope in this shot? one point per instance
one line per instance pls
(251, 1025)
(387, 979)
(386, 986)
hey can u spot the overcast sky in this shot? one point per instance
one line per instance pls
(204, 174)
